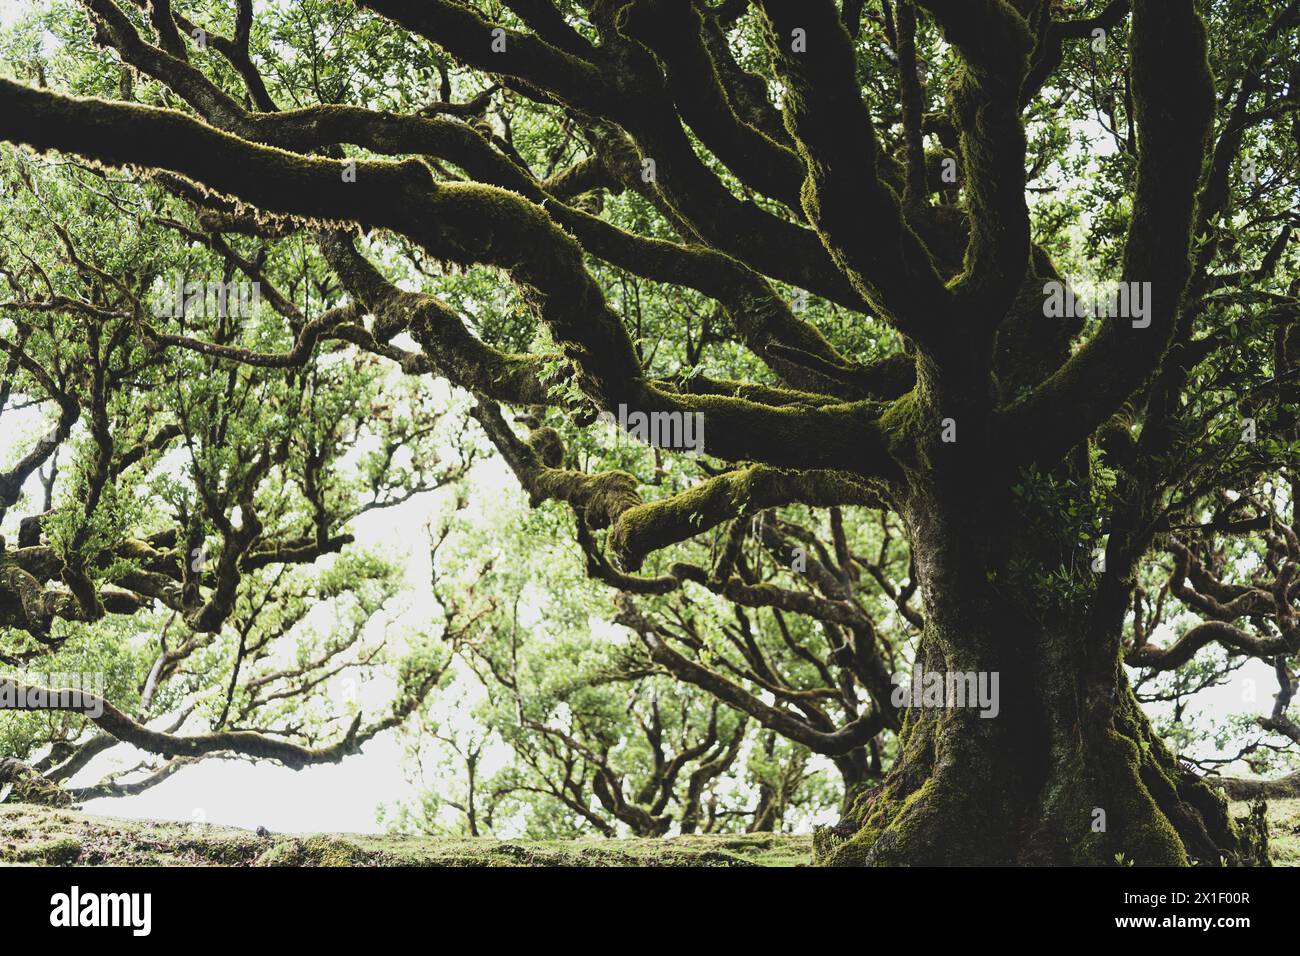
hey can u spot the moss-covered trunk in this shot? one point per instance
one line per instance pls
(1065, 769)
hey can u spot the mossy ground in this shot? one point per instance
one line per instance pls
(44, 836)
(1283, 830)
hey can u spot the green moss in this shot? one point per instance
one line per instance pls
(1156, 815)
(648, 527)
(41, 836)
(317, 850)
(907, 815)
(36, 835)
(30, 787)
(899, 418)
(1283, 831)
(601, 497)
(60, 851)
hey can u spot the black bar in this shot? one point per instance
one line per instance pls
(331, 906)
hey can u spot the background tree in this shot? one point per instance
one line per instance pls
(575, 729)
(183, 500)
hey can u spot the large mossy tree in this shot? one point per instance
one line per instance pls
(856, 210)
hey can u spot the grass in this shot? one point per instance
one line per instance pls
(34, 835)
(43, 836)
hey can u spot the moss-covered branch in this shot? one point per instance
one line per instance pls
(857, 216)
(994, 42)
(654, 525)
(1174, 100)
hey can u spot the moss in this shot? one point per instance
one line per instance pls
(37, 835)
(60, 851)
(902, 424)
(918, 815)
(315, 851)
(1144, 831)
(931, 826)
(946, 801)
(29, 786)
(826, 843)
(892, 824)
(601, 497)
(1115, 774)
(1156, 814)
(236, 850)
(41, 836)
(648, 527)
(1282, 819)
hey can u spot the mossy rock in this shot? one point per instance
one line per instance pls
(27, 786)
(316, 851)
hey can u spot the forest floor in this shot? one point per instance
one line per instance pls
(43, 836)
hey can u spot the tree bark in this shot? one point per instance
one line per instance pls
(1069, 770)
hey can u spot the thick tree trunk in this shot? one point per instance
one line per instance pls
(1069, 770)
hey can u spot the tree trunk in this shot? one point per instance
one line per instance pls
(855, 774)
(1069, 770)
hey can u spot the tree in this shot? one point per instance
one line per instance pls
(880, 320)
(599, 737)
(182, 504)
